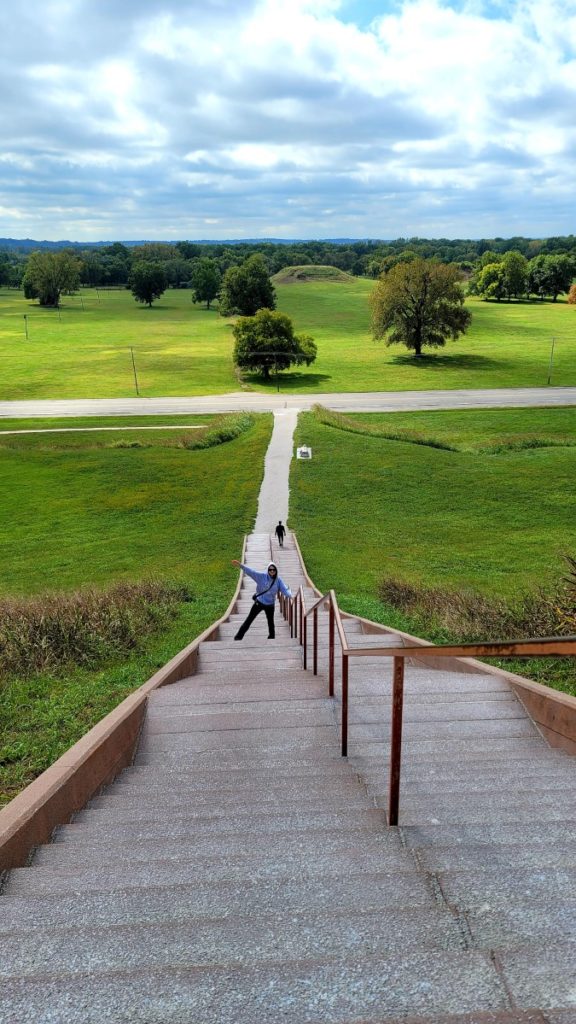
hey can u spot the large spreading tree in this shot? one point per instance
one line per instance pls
(147, 281)
(419, 304)
(49, 275)
(266, 342)
(247, 288)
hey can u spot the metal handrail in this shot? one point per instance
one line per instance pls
(539, 647)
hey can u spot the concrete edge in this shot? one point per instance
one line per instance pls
(95, 760)
(553, 712)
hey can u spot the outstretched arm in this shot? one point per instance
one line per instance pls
(246, 568)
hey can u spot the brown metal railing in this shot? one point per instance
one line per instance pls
(295, 611)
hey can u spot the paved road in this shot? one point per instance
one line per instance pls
(369, 401)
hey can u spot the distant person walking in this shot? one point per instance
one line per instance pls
(280, 532)
(267, 586)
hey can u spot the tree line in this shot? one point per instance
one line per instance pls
(111, 265)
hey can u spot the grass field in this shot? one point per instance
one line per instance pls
(496, 524)
(88, 514)
(182, 349)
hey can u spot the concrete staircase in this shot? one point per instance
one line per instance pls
(241, 870)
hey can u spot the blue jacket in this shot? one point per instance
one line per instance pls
(263, 581)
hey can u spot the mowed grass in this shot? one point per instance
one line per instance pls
(83, 350)
(366, 508)
(89, 515)
(507, 345)
(182, 349)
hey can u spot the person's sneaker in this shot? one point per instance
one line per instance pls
(237, 637)
(271, 637)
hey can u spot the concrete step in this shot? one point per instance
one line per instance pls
(280, 738)
(441, 783)
(504, 886)
(493, 834)
(523, 923)
(457, 711)
(105, 877)
(473, 748)
(158, 720)
(89, 829)
(228, 809)
(226, 800)
(366, 989)
(238, 941)
(473, 857)
(506, 806)
(328, 770)
(280, 852)
(114, 905)
(209, 689)
(221, 782)
(247, 759)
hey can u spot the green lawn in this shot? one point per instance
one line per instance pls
(366, 508)
(496, 523)
(73, 517)
(182, 349)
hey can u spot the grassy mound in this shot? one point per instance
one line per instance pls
(300, 275)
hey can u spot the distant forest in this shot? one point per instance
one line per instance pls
(109, 265)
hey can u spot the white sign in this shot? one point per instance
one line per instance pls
(304, 452)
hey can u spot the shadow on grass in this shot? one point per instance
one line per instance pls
(463, 361)
(302, 381)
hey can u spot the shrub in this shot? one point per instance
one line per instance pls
(341, 422)
(572, 295)
(471, 617)
(225, 428)
(85, 628)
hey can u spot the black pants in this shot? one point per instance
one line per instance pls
(255, 610)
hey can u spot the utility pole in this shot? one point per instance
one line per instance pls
(26, 325)
(551, 361)
(134, 368)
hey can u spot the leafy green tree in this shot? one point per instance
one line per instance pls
(49, 275)
(247, 288)
(418, 304)
(515, 267)
(147, 281)
(561, 269)
(206, 280)
(267, 342)
(490, 283)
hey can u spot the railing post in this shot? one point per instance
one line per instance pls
(301, 615)
(344, 704)
(305, 656)
(316, 641)
(396, 741)
(331, 650)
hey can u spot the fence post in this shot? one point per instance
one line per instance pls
(316, 641)
(396, 741)
(305, 655)
(344, 704)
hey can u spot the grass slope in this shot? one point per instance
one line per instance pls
(182, 349)
(91, 515)
(495, 524)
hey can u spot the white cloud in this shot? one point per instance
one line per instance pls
(250, 114)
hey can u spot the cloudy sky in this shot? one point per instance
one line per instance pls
(171, 119)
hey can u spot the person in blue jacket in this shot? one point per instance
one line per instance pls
(267, 586)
